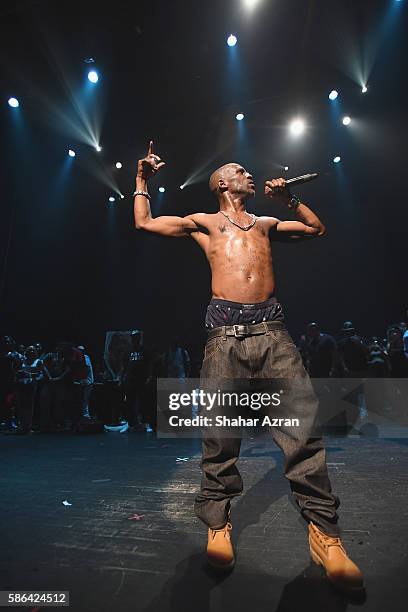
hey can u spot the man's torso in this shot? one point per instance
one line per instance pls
(240, 261)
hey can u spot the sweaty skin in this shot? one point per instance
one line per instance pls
(240, 261)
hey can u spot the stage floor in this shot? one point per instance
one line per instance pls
(130, 540)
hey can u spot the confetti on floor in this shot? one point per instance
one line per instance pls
(136, 517)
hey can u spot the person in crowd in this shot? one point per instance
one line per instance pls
(377, 392)
(86, 383)
(116, 355)
(39, 384)
(55, 390)
(28, 372)
(134, 379)
(157, 369)
(405, 342)
(319, 352)
(77, 373)
(106, 396)
(378, 365)
(176, 360)
(396, 352)
(352, 355)
(9, 359)
(352, 351)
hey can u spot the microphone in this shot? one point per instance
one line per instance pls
(298, 180)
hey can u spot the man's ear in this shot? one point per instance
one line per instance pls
(222, 186)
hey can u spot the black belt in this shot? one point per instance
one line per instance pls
(242, 331)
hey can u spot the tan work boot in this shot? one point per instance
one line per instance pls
(220, 554)
(340, 570)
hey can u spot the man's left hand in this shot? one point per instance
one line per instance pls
(276, 188)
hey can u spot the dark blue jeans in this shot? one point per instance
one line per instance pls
(271, 356)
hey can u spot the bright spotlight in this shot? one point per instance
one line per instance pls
(71, 153)
(239, 116)
(122, 197)
(118, 165)
(250, 4)
(111, 199)
(98, 148)
(364, 89)
(13, 102)
(286, 168)
(336, 159)
(232, 40)
(333, 94)
(297, 127)
(182, 186)
(162, 189)
(346, 120)
(93, 76)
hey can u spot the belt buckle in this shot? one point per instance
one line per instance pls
(239, 331)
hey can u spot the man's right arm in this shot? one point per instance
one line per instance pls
(164, 225)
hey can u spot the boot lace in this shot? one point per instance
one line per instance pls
(226, 530)
(325, 539)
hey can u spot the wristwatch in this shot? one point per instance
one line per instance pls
(293, 202)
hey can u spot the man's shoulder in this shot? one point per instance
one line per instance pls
(271, 221)
(204, 221)
(200, 217)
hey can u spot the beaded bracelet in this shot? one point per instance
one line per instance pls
(142, 193)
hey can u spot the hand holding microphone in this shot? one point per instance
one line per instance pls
(280, 187)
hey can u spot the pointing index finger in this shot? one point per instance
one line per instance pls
(150, 151)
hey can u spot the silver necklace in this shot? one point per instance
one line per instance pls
(246, 227)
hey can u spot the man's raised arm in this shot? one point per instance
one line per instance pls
(164, 225)
(308, 224)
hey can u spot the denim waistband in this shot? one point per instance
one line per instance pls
(226, 312)
(239, 306)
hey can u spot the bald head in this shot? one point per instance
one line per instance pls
(232, 180)
(223, 173)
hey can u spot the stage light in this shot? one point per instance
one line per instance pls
(232, 40)
(93, 76)
(162, 189)
(122, 197)
(71, 153)
(297, 127)
(13, 102)
(118, 165)
(182, 186)
(346, 120)
(98, 148)
(286, 168)
(250, 4)
(111, 199)
(364, 89)
(239, 116)
(333, 94)
(336, 159)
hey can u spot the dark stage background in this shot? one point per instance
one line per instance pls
(73, 266)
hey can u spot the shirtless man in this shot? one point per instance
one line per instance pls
(247, 339)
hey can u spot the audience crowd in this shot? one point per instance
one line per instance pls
(60, 390)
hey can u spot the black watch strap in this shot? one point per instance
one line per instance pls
(294, 202)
